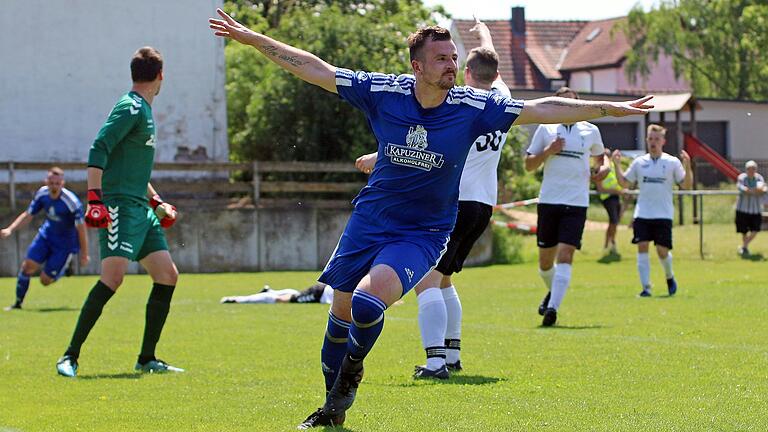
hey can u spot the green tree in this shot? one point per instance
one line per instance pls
(718, 46)
(275, 116)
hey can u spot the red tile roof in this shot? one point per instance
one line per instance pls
(526, 62)
(607, 46)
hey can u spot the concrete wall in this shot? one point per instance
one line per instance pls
(233, 241)
(61, 76)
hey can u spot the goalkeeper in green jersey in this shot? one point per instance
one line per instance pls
(129, 214)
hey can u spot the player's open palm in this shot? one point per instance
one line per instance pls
(228, 27)
(635, 107)
(685, 158)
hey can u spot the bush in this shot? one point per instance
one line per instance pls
(507, 246)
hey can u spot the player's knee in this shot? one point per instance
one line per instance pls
(170, 276)
(28, 268)
(46, 280)
(367, 309)
(112, 281)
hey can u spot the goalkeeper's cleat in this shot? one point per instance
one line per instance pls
(342, 394)
(320, 418)
(156, 366)
(454, 367)
(550, 317)
(227, 300)
(421, 372)
(15, 306)
(544, 303)
(67, 366)
(646, 292)
(671, 286)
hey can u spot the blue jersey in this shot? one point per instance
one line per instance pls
(61, 215)
(414, 185)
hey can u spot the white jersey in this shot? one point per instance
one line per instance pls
(655, 179)
(478, 180)
(566, 174)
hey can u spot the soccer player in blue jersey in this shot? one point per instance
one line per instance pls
(424, 125)
(61, 236)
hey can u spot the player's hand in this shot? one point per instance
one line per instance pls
(229, 28)
(480, 28)
(622, 109)
(5, 233)
(166, 213)
(555, 146)
(616, 157)
(96, 214)
(685, 158)
(84, 259)
(365, 163)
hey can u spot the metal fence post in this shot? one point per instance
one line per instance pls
(12, 185)
(256, 182)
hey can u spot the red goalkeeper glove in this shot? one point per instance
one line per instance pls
(166, 219)
(96, 215)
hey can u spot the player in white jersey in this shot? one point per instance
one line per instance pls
(440, 311)
(655, 174)
(565, 150)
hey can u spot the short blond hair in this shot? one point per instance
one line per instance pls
(656, 128)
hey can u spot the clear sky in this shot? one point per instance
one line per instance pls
(541, 9)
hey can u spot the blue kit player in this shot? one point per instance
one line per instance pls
(424, 125)
(61, 236)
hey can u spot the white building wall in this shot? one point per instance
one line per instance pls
(605, 80)
(581, 82)
(65, 65)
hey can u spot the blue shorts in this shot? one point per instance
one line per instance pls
(364, 245)
(55, 256)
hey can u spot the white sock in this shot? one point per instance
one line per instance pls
(560, 282)
(644, 269)
(453, 327)
(667, 264)
(432, 321)
(547, 275)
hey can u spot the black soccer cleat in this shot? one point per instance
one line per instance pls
(550, 317)
(454, 367)
(15, 306)
(671, 286)
(421, 372)
(342, 394)
(544, 303)
(320, 418)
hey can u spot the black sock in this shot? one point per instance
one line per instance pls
(94, 304)
(158, 305)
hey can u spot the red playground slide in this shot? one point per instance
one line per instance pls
(696, 148)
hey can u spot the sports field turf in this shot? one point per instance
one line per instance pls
(616, 362)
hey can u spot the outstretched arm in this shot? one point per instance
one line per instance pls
(19, 222)
(553, 109)
(304, 65)
(483, 33)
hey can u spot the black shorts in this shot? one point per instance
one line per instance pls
(748, 222)
(559, 223)
(471, 222)
(309, 295)
(658, 231)
(612, 205)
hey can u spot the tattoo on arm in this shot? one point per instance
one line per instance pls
(273, 51)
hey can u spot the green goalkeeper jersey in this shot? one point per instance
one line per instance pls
(125, 149)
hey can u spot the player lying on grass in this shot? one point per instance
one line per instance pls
(317, 293)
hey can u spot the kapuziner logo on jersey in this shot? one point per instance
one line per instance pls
(414, 153)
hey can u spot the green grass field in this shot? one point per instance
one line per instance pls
(616, 362)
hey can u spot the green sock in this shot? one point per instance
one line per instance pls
(94, 304)
(158, 305)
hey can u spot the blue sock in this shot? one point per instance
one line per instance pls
(367, 323)
(334, 348)
(22, 286)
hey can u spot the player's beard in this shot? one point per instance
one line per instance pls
(445, 82)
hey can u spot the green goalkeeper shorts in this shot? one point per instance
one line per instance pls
(134, 233)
